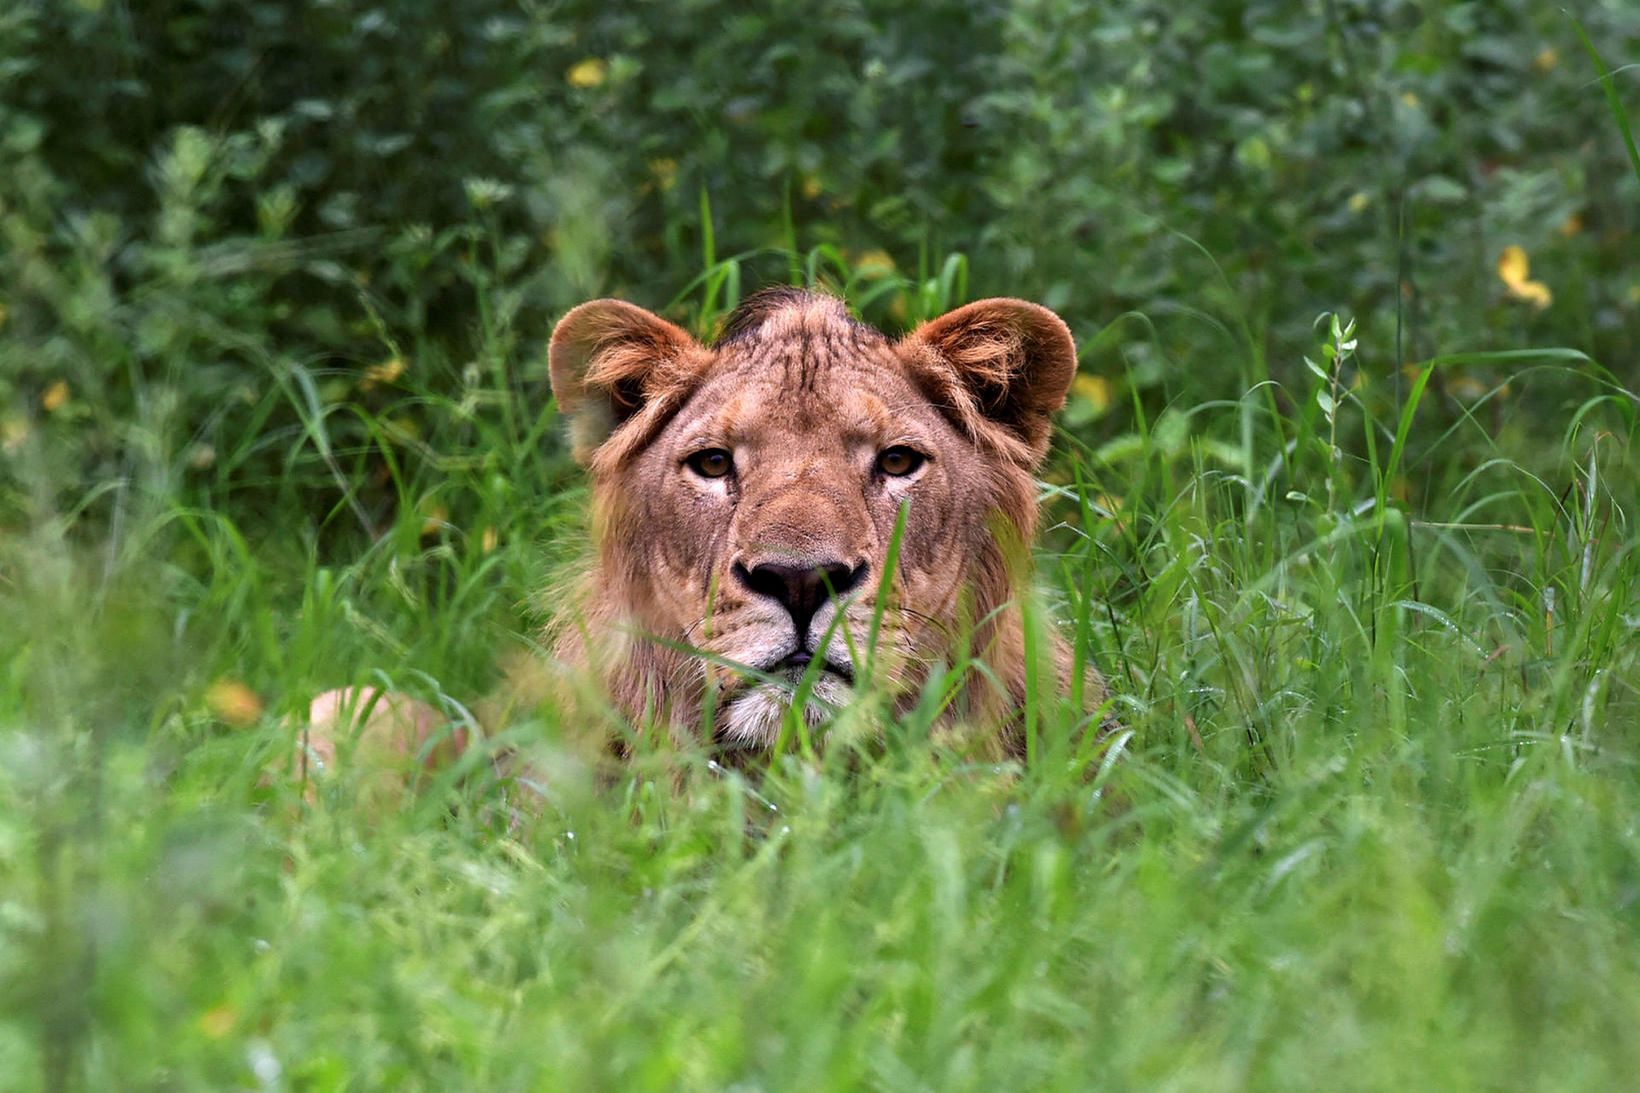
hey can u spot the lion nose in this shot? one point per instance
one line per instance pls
(801, 589)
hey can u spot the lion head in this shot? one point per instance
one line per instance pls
(805, 498)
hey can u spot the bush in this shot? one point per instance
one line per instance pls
(255, 204)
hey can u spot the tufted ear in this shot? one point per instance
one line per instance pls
(609, 358)
(1007, 361)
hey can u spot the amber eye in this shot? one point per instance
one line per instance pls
(711, 463)
(899, 461)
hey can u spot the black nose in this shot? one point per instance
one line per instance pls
(801, 589)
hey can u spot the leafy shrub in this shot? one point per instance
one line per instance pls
(254, 204)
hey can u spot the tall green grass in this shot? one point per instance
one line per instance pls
(1371, 819)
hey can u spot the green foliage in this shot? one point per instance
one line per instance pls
(260, 198)
(274, 292)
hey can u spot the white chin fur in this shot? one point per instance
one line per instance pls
(752, 719)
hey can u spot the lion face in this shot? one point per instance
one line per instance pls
(747, 496)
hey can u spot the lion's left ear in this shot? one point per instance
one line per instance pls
(608, 360)
(1008, 360)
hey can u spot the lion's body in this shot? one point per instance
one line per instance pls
(746, 501)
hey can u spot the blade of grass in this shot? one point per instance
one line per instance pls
(1613, 103)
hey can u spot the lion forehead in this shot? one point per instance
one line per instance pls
(830, 408)
(808, 358)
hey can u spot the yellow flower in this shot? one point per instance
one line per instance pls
(665, 172)
(487, 542)
(434, 517)
(385, 372)
(1466, 388)
(233, 702)
(874, 261)
(1096, 389)
(1535, 293)
(811, 187)
(56, 397)
(1571, 225)
(587, 73)
(218, 1022)
(1513, 265)
(1359, 201)
(1513, 269)
(1546, 60)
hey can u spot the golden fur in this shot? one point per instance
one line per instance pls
(805, 398)
(702, 596)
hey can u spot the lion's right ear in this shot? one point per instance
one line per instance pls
(608, 359)
(1007, 361)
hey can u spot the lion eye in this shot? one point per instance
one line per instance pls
(899, 461)
(711, 463)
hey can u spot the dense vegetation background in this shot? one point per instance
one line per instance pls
(275, 285)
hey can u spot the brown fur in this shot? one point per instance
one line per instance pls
(805, 399)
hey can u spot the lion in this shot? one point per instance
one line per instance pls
(801, 503)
